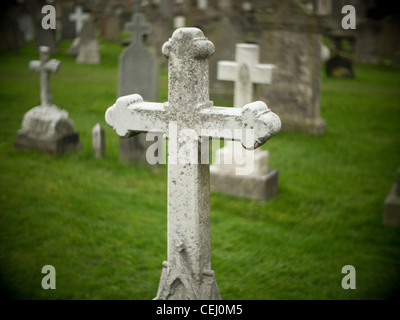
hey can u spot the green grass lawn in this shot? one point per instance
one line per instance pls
(103, 224)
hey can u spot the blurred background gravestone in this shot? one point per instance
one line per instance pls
(138, 73)
(46, 127)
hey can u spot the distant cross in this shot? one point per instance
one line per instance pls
(79, 17)
(189, 119)
(138, 27)
(45, 66)
(245, 71)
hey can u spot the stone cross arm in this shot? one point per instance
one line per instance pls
(252, 125)
(52, 65)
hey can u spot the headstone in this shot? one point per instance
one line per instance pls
(367, 44)
(26, 25)
(79, 17)
(392, 205)
(46, 127)
(339, 67)
(112, 29)
(88, 51)
(138, 72)
(224, 34)
(190, 119)
(290, 37)
(98, 141)
(245, 174)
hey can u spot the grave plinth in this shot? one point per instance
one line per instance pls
(46, 127)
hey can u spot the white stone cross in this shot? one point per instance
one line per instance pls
(189, 119)
(246, 72)
(45, 66)
(79, 17)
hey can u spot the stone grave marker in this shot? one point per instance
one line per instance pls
(79, 17)
(392, 205)
(112, 28)
(98, 141)
(238, 172)
(46, 38)
(190, 120)
(46, 127)
(290, 37)
(88, 51)
(138, 72)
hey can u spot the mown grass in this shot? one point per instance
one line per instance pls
(102, 223)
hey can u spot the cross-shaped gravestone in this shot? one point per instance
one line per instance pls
(189, 119)
(254, 180)
(79, 17)
(45, 66)
(245, 71)
(138, 27)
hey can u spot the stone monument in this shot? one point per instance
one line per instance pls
(246, 173)
(98, 141)
(290, 37)
(46, 127)
(190, 120)
(88, 50)
(138, 72)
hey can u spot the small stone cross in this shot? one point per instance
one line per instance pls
(45, 66)
(79, 17)
(138, 26)
(189, 119)
(245, 72)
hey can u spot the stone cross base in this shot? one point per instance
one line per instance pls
(49, 130)
(174, 286)
(391, 215)
(262, 187)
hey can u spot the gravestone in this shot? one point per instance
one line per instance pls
(190, 119)
(79, 17)
(112, 28)
(46, 127)
(290, 37)
(98, 141)
(245, 174)
(88, 51)
(138, 72)
(224, 34)
(392, 205)
(340, 67)
(367, 44)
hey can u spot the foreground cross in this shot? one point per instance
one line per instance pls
(45, 67)
(190, 120)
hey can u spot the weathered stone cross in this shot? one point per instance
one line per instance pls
(79, 17)
(138, 26)
(190, 120)
(45, 66)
